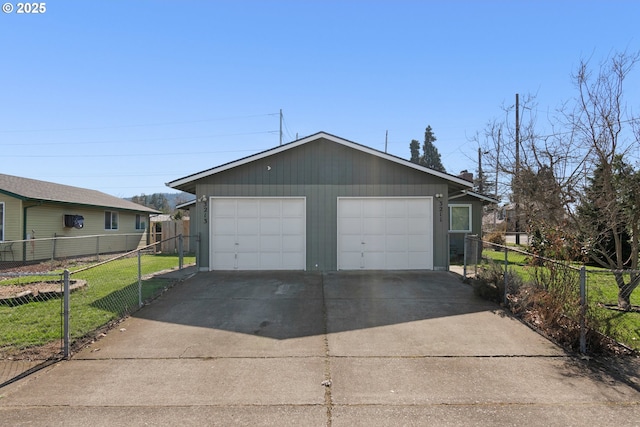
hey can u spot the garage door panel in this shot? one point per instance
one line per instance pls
(249, 226)
(397, 261)
(292, 209)
(398, 243)
(396, 208)
(224, 243)
(292, 244)
(292, 260)
(372, 209)
(249, 261)
(247, 243)
(396, 226)
(374, 242)
(248, 208)
(419, 209)
(417, 243)
(351, 260)
(269, 259)
(373, 225)
(417, 258)
(270, 226)
(397, 233)
(350, 225)
(224, 208)
(270, 243)
(270, 208)
(258, 233)
(350, 243)
(375, 260)
(224, 226)
(226, 260)
(421, 227)
(293, 226)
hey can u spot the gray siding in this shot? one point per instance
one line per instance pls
(322, 171)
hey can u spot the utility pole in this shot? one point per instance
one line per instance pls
(386, 138)
(495, 211)
(517, 174)
(281, 126)
(480, 178)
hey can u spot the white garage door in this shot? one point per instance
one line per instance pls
(385, 233)
(258, 234)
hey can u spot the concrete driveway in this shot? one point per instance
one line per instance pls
(313, 349)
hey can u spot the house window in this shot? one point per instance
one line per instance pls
(460, 218)
(110, 220)
(1, 221)
(141, 224)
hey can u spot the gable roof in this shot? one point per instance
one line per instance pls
(182, 183)
(485, 199)
(42, 191)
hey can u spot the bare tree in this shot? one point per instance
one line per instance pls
(601, 123)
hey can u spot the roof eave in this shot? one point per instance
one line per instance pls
(182, 183)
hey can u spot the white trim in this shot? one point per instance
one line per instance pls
(476, 195)
(319, 135)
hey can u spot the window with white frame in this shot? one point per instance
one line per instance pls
(1, 221)
(460, 218)
(110, 220)
(141, 224)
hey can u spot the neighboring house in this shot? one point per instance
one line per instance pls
(323, 203)
(31, 209)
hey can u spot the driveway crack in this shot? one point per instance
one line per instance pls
(328, 401)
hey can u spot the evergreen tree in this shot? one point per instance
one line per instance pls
(414, 147)
(430, 157)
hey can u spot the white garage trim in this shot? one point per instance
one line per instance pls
(385, 233)
(257, 233)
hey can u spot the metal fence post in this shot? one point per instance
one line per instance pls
(198, 262)
(464, 256)
(476, 254)
(65, 314)
(506, 273)
(180, 253)
(583, 310)
(139, 279)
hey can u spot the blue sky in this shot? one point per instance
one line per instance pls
(123, 96)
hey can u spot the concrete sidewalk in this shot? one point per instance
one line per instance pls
(312, 349)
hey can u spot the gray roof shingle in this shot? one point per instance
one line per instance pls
(33, 189)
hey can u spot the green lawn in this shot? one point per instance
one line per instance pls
(111, 292)
(602, 294)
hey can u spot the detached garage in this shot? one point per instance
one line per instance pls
(322, 203)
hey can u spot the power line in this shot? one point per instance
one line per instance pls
(127, 141)
(182, 153)
(137, 125)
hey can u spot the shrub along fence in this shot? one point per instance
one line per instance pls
(44, 315)
(573, 305)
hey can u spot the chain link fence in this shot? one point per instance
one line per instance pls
(46, 313)
(573, 305)
(66, 250)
